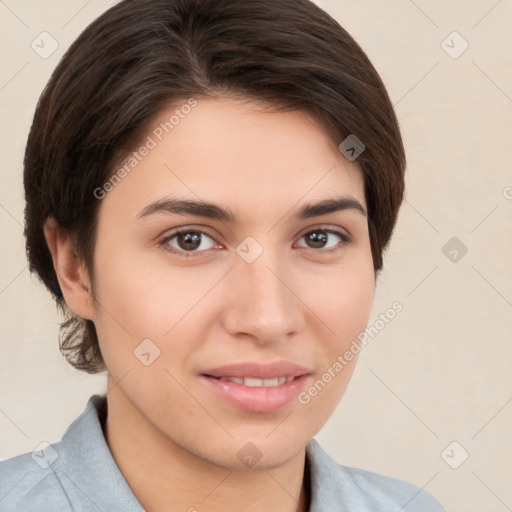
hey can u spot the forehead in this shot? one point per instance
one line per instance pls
(235, 153)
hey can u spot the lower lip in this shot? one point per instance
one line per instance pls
(256, 399)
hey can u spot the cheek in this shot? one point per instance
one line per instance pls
(342, 299)
(134, 290)
(144, 298)
(342, 307)
(355, 300)
(128, 301)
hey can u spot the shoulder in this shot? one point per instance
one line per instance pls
(358, 489)
(52, 477)
(29, 482)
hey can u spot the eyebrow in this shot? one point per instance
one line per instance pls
(216, 212)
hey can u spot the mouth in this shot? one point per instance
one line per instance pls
(254, 382)
(259, 388)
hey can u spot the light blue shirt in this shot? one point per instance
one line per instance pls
(79, 473)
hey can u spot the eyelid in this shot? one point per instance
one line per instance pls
(187, 229)
(345, 237)
(337, 230)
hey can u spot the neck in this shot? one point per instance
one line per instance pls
(164, 476)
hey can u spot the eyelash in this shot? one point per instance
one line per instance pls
(345, 240)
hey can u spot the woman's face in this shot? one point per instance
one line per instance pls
(200, 329)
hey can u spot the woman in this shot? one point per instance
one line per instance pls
(210, 186)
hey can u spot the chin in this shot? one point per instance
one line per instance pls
(259, 452)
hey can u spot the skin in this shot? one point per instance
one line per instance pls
(175, 442)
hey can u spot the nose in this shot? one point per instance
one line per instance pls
(262, 303)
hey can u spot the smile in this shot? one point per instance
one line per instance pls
(254, 386)
(254, 382)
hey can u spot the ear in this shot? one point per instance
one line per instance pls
(71, 274)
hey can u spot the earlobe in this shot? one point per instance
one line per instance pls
(71, 274)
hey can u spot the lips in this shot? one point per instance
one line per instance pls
(262, 371)
(257, 387)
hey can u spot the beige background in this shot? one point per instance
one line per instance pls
(441, 370)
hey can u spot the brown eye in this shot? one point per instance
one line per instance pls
(317, 239)
(327, 240)
(188, 242)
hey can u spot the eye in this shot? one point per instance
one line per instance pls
(328, 240)
(190, 241)
(194, 242)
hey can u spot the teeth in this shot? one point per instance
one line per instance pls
(252, 383)
(256, 383)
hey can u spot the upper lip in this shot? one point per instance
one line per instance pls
(259, 370)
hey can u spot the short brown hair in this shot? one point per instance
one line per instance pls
(141, 56)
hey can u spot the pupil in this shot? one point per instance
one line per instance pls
(317, 239)
(189, 240)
